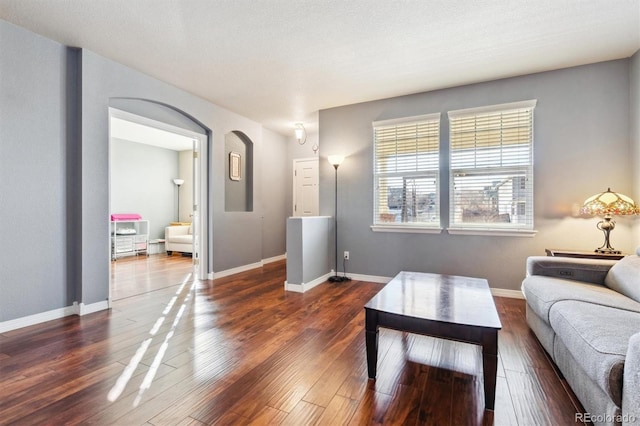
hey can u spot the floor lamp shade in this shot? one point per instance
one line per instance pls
(335, 160)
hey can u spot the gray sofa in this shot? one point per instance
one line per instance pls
(586, 314)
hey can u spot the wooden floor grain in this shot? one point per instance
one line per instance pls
(240, 350)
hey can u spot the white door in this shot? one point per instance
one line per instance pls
(306, 194)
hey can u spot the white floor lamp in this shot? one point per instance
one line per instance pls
(178, 183)
(335, 161)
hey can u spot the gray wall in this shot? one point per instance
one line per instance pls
(295, 151)
(36, 254)
(142, 182)
(581, 118)
(185, 172)
(274, 201)
(233, 235)
(634, 115)
(308, 248)
(55, 171)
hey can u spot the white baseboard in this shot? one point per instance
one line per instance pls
(503, 292)
(93, 307)
(75, 309)
(301, 288)
(369, 278)
(274, 259)
(244, 268)
(237, 270)
(500, 292)
(37, 318)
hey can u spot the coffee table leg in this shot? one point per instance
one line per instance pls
(490, 367)
(371, 340)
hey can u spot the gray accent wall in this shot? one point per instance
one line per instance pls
(308, 248)
(582, 134)
(297, 151)
(37, 175)
(274, 201)
(54, 111)
(142, 182)
(233, 236)
(185, 172)
(634, 115)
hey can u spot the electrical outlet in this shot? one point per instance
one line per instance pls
(346, 255)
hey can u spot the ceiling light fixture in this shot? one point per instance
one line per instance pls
(301, 133)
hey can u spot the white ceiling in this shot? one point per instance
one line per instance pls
(279, 61)
(135, 132)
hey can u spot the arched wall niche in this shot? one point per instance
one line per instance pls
(238, 185)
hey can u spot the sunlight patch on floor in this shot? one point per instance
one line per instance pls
(121, 384)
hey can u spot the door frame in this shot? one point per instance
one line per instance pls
(201, 187)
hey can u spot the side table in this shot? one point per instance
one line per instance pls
(583, 254)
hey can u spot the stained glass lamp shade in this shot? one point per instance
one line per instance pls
(608, 204)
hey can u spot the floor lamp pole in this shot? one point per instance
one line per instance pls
(178, 183)
(178, 203)
(335, 278)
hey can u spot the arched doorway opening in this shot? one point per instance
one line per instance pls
(189, 142)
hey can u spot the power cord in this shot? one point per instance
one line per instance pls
(344, 268)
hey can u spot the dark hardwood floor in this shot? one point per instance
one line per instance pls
(134, 275)
(241, 350)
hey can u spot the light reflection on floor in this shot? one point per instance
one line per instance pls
(121, 384)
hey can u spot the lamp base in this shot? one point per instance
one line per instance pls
(338, 279)
(607, 250)
(607, 225)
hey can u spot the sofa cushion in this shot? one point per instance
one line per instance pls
(542, 292)
(598, 337)
(585, 270)
(181, 239)
(624, 277)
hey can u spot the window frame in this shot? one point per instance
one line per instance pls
(493, 228)
(411, 227)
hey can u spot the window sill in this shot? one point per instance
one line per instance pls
(406, 229)
(527, 233)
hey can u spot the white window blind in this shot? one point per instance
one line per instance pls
(406, 165)
(491, 166)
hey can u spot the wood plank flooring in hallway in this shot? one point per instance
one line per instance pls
(241, 350)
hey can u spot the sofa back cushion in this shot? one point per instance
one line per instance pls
(624, 277)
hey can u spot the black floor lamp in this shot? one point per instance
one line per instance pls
(335, 161)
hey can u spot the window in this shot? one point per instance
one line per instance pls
(406, 167)
(491, 167)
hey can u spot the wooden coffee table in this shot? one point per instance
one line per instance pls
(444, 306)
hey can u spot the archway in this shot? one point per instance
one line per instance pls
(168, 119)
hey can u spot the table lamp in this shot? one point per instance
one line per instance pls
(607, 204)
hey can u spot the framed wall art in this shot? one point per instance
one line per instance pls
(235, 166)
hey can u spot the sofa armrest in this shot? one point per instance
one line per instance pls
(587, 270)
(171, 231)
(631, 383)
